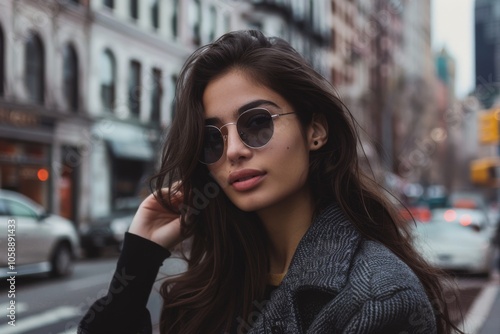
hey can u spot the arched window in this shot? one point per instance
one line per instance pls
(156, 96)
(70, 77)
(134, 9)
(34, 77)
(213, 23)
(311, 12)
(155, 13)
(175, 18)
(173, 79)
(195, 21)
(109, 3)
(108, 79)
(134, 88)
(2, 63)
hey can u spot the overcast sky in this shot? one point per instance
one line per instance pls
(453, 27)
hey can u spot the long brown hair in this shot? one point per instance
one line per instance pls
(227, 262)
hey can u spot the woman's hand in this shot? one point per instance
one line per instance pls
(152, 221)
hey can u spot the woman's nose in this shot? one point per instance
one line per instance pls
(235, 148)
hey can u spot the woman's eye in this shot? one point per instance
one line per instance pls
(257, 120)
(212, 135)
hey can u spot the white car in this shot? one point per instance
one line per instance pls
(33, 241)
(456, 239)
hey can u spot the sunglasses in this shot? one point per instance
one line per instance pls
(255, 128)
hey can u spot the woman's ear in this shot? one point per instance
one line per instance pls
(317, 132)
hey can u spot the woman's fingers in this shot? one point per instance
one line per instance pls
(155, 222)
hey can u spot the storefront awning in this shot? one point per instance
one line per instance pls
(136, 150)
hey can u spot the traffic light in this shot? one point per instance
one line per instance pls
(489, 132)
(485, 171)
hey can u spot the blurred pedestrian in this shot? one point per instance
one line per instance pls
(288, 235)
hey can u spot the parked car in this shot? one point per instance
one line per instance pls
(456, 240)
(477, 217)
(468, 200)
(44, 243)
(105, 233)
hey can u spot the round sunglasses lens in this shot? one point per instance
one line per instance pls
(255, 127)
(213, 145)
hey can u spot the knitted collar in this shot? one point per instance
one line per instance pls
(325, 252)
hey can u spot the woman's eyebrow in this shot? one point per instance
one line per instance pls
(254, 104)
(242, 109)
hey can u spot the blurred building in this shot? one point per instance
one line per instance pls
(487, 51)
(446, 71)
(414, 99)
(305, 24)
(351, 55)
(86, 88)
(43, 103)
(136, 50)
(383, 67)
(365, 63)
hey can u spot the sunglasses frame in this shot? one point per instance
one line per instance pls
(273, 117)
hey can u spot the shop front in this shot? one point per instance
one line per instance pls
(41, 157)
(121, 165)
(25, 154)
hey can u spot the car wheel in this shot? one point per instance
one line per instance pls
(62, 261)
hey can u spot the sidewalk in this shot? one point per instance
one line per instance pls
(483, 316)
(492, 322)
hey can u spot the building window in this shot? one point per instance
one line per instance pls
(134, 88)
(195, 20)
(109, 3)
(34, 78)
(174, 85)
(2, 63)
(334, 40)
(70, 77)
(175, 18)
(134, 9)
(155, 13)
(311, 12)
(108, 80)
(213, 23)
(156, 96)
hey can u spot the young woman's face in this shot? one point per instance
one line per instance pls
(257, 178)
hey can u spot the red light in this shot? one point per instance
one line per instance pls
(450, 215)
(43, 174)
(425, 215)
(465, 220)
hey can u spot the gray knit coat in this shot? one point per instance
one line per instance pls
(339, 282)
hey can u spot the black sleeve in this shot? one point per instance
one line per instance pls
(123, 310)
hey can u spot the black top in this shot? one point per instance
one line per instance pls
(123, 310)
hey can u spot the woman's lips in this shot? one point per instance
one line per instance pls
(246, 179)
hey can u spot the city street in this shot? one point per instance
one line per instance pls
(55, 306)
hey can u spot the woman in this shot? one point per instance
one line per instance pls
(287, 234)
